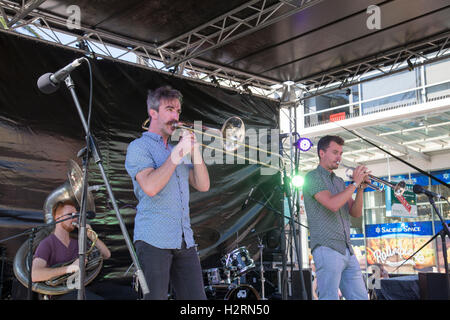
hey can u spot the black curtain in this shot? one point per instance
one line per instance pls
(40, 133)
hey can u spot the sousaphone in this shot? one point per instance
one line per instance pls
(69, 190)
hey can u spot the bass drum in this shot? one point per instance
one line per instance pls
(231, 292)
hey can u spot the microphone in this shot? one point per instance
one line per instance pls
(89, 214)
(49, 82)
(418, 189)
(248, 198)
(289, 134)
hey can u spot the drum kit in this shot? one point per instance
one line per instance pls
(225, 283)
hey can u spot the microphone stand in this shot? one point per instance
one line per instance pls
(92, 150)
(443, 233)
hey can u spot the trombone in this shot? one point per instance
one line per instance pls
(232, 136)
(399, 188)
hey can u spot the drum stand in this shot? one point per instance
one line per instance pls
(261, 268)
(227, 275)
(293, 224)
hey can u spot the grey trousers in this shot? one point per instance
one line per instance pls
(179, 267)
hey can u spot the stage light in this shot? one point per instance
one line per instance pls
(297, 181)
(246, 89)
(82, 45)
(214, 80)
(304, 144)
(410, 65)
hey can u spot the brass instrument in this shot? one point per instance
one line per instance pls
(92, 269)
(399, 188)
(93, 241)
(232, 136)
(70, 190)
(92, 266)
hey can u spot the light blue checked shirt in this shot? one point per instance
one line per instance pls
(160, 220)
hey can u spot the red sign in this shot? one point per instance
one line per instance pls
(337, 116)
(403, 202)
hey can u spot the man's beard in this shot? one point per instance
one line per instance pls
(69, 228)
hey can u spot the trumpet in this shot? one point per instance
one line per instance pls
(232, 136)
(399, 188)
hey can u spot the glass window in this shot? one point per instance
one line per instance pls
(437, 72)
(386, 86)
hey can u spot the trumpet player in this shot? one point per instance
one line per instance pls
(59, 248)
(329, 205)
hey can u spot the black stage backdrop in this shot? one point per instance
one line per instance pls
(40, 133)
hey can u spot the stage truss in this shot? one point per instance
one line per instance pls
(181, 56)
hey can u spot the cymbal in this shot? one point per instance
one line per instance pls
(205, 236)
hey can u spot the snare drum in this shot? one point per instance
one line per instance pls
(238, 261)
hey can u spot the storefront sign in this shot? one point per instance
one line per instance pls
(390, 245)
(404, 206)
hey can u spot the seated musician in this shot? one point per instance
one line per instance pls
(60, 248)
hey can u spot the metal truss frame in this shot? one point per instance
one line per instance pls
(179, 56)
(235, 24)
(29, 16)
(382, 64)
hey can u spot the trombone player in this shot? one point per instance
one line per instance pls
(329, 205)
(161, 174)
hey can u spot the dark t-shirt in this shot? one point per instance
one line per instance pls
(52, 250)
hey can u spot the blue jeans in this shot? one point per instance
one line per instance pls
(335, 271)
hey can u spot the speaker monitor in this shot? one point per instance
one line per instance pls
(433, 286)
(296, 285)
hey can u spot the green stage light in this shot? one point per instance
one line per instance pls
(297, 181)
